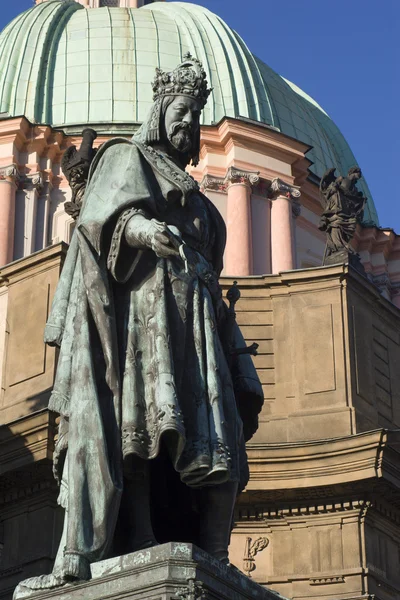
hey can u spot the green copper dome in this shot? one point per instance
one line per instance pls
(68, 66)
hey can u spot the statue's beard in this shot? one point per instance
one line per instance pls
(180, 135)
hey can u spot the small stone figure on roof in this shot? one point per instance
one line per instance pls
(343, 209)
(75, 165)
(155, 390)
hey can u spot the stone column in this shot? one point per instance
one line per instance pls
(8, 186)
(34, 186)
(296, 212)
(239, 247)
(283, 254)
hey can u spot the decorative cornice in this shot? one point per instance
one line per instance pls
(235, 176)
(308, 464)
(302, 509)
(10, 172)
(279, 187)
(326, 580)
(210, 183)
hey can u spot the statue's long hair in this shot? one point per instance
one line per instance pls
(151, 133)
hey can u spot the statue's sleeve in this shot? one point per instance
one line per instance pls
(123, 257)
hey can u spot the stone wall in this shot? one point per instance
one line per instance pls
(325, 465)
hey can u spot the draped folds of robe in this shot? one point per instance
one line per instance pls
(141, 362)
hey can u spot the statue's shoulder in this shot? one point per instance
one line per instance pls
(113, 151)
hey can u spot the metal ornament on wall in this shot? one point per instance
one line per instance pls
(250, 552)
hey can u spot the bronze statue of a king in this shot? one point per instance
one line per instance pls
(155, 403)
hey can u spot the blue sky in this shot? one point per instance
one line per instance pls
(346, 55)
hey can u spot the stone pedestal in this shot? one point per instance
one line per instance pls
(345, 257)
(174, 571)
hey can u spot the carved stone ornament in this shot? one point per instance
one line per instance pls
(193, 591)
(10, 172)
(281, 188)
(209, 183)
(250, 552)
(37, 181)
(237, 176)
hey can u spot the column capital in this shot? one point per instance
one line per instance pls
(235, 176)
(279, 187)
(10, 173)
(210, 183)
(34, 181)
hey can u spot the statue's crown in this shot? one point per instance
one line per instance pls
(188, 79)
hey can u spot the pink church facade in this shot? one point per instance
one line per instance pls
(257, 178)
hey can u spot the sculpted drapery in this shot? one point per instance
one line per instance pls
(142, 367)
(140, 352)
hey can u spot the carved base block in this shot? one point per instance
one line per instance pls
(174, 571)
(345, 257)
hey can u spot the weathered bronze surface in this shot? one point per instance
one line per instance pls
(156, 390)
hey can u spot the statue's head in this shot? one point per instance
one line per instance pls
(355, 173)
(179, 97)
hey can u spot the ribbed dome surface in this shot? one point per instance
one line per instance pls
(66, 66)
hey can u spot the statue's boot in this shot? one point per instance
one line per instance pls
(218, 503)
(136, 506)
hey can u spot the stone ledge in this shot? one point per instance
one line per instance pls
(168, 572)
(292, 465)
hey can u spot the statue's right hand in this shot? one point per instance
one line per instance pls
(144, 233)
(165, 244)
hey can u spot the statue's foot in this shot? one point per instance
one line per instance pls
(43, 583)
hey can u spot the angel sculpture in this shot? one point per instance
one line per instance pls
(343, 209)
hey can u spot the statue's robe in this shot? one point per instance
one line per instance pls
(141, 364)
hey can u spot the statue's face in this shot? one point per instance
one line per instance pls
(182, 123)
(356, 175)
